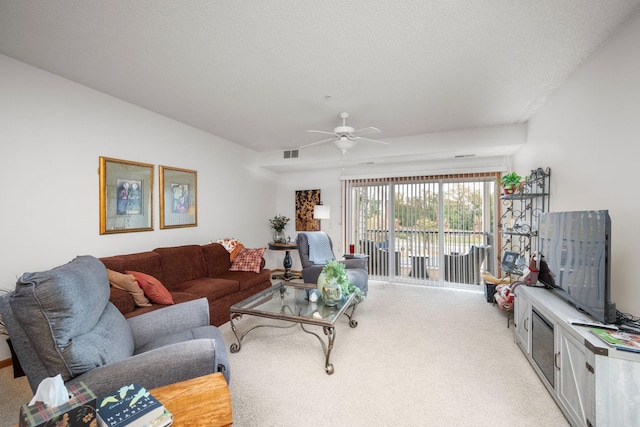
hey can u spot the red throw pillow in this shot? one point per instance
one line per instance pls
(152, 288)
(127, 282)
(248, 260)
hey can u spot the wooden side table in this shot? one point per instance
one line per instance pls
(287, 262)
(202, 401)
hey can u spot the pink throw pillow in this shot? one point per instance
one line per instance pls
(152, 288)
(248, 260)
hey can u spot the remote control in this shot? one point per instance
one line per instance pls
(592, 324)
(630, 328)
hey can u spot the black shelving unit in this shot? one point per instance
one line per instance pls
(520, 213)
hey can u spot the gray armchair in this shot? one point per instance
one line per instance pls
(61, 322)
(379, 258)
(311, 268)
(465, 268)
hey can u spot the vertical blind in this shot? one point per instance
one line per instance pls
(432, 228)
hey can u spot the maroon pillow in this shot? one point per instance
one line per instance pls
(152, 288)
(248, 260)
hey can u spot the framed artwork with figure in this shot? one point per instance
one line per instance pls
(178, 197)
(125, 196)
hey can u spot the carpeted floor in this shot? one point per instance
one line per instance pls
(420, 356)
(13, 394)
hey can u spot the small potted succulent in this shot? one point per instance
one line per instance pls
(510, 182)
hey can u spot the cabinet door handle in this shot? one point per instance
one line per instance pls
(555, 360)
(526, 324)
(590, 368)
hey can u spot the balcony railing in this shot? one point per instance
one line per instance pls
(417, 252)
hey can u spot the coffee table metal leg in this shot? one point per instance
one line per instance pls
(326, 349)
(353, 323)
(235, 347)
(331, 335)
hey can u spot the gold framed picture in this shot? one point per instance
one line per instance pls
(125, 196)
(178, 197)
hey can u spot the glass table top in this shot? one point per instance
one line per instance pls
(289, 301)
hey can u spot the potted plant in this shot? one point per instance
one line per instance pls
(510, 182)
(278, 223)
(334, 273)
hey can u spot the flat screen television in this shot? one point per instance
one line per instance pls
(577, 249)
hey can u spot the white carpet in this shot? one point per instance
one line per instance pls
(420, 356)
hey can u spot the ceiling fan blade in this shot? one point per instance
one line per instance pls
(366, 131)
(372, 140)
(322, 131)
(318, 142)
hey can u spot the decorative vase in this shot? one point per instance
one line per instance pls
(322, 279)
(279, 237)
(331, 293)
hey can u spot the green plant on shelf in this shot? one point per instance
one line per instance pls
(510, 182)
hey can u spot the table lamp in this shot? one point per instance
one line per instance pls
(321, 212)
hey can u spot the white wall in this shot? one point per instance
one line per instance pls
(328, 182)
(53, 132)
(588, 133)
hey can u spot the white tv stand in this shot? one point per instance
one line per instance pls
(593, 384)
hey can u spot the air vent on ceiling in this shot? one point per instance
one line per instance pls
(459, 156)
(291, 154)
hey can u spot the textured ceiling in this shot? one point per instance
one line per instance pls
(260, 73)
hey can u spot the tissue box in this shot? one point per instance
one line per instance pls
(80, 410)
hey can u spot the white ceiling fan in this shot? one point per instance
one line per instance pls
(345, 137)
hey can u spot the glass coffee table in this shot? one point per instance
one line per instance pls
(290, 303)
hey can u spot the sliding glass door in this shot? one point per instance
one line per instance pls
(428, 229)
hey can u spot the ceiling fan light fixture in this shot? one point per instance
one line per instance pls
(344, 144)
(344, 137)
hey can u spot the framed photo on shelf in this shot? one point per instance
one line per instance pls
(178, 197)
(125, 196)
(509, 261)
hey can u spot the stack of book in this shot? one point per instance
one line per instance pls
(132, 406)
(618, 339)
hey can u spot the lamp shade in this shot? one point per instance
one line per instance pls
(321, 212)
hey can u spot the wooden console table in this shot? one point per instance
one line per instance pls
(202, 401)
